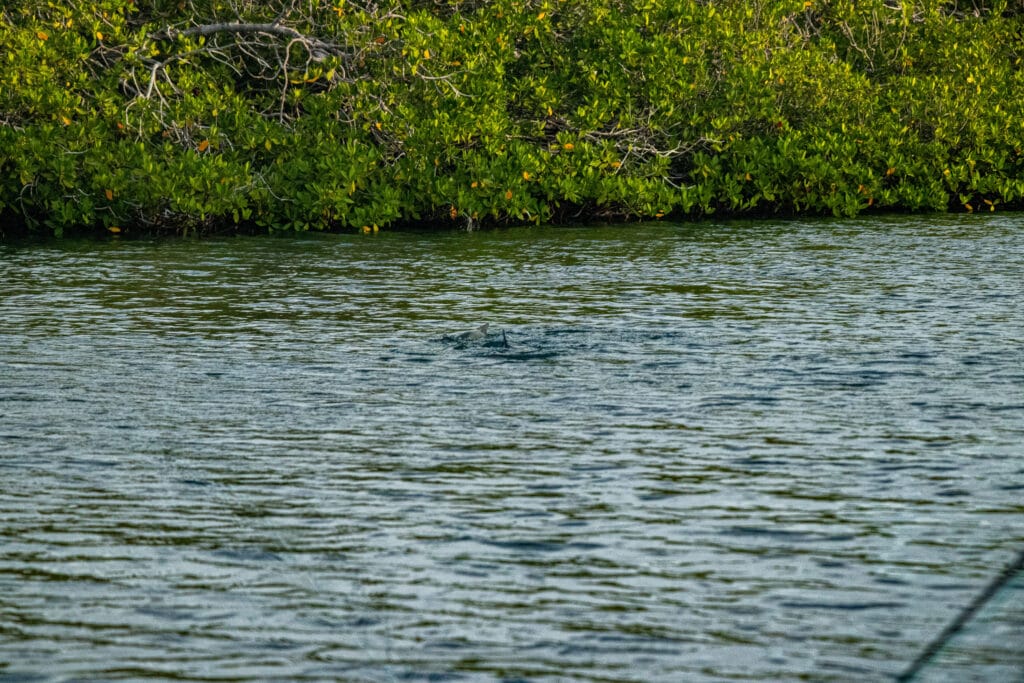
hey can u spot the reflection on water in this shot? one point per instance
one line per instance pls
(707, 452)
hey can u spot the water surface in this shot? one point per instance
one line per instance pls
(745, 451)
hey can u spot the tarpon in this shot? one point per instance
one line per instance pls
(469, 335)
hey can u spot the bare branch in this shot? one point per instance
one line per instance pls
(318, 48)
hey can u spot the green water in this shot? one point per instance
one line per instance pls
(750, 451)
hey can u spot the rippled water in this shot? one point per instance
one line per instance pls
(707, 452)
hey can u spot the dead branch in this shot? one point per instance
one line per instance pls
(318, 48)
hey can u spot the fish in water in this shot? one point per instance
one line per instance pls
(469, 335)
(478, 334)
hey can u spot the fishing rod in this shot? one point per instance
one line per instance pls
(968, 613)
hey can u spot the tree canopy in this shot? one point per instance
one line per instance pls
(189, 115)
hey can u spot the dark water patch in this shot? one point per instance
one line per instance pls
(1019, 407)
(844, 606)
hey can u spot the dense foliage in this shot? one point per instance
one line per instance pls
(179, 115)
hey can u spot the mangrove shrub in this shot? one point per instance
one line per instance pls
(186, 115)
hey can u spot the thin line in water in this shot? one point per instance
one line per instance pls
(962, 619)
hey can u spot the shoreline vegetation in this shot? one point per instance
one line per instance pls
(195, 116)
